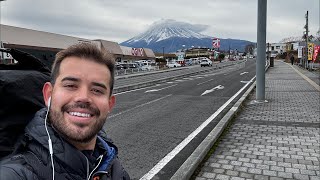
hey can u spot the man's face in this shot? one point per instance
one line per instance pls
(80, 99)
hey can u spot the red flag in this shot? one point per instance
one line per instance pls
(315, 52)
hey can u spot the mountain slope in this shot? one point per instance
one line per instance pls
(170, 35)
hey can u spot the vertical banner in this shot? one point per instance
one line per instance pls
(300, 51)
(316, 52)
(310, 51)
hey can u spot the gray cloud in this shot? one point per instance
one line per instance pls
(121, 20)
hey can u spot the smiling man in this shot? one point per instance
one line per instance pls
(65, 140)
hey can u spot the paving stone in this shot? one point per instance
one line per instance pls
(276, 178)
(269, 173)
(226, 166)
(277, 168)
(244, 159)
(246, 175)
(284, 164)
(261, 177)
(222, 177)
(292, 170)
(237, 178)
(308, 172)
(215, 165)
(218, 171)
(209, 175)
(262, 166)
(254, 171)
(236, 163)
(285, 175)
(314, 177)
(301, 176)
(241, 168)
(232, 173)
(311, 167)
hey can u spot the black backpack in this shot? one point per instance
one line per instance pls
(20, 96)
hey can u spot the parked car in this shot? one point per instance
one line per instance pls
(205, 62)
(173, 64)
(119, 67)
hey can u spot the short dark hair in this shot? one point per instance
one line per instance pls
(88, 51)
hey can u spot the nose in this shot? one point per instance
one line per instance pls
(83, 95)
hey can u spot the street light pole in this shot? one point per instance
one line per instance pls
(261, 54)
(1, 44)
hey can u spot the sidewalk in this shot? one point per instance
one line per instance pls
(275, 140)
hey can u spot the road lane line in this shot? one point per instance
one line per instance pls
(164, 161)
(141, 105)
(154, 90)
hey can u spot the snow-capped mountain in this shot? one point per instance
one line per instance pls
(169, 35)
(168, 28)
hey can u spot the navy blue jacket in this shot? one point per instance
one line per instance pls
(31, 158)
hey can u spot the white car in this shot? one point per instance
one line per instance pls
(206, 62)
(173, 64)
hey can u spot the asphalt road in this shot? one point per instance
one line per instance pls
(147, 124)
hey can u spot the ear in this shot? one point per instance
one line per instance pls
(112, 102)
(46, 92)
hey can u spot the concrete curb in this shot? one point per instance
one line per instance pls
(190, 165)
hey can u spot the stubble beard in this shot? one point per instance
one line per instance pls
(70, 132)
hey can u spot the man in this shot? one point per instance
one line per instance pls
(66, 141)
(292, 59)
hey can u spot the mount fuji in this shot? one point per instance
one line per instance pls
(172, 35)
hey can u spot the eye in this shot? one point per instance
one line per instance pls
(70, 86)
(97, 91)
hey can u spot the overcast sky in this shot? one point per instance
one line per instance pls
(120, 20)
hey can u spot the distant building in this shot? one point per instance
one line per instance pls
(45, 45)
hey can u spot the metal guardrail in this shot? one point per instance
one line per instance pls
(134, 70)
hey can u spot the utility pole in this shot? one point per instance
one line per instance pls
(307, 41)
(261, 48)
(163, 54)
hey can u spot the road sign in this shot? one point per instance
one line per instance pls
(216, 43)
(300, 51)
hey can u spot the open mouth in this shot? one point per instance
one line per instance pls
(79, 114)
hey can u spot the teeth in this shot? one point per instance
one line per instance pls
(79, 114)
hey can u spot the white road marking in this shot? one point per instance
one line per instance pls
(141, 105)
(213, 89)
(244, 73)
(186, 141)
(244, 81)
(154, 90)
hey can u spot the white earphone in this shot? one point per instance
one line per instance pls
(49, 102)
(49, 139)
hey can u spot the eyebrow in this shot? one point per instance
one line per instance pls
(78, 80)
(99, 84)
(70, 79)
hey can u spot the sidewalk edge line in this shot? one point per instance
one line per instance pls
(189, 166)
(306, 78)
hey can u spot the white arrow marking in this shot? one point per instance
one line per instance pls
(154, 90)
(211, 90)
(243, 73)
